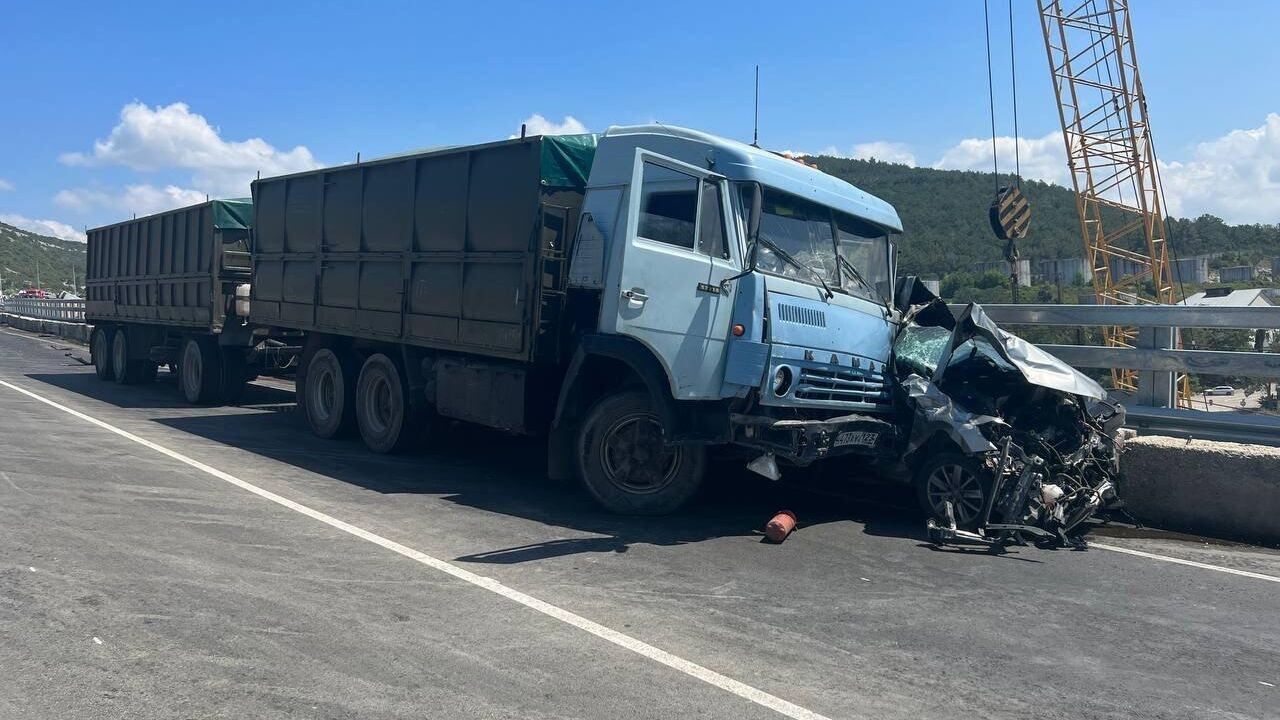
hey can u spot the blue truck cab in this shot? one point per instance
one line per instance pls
(751, 294)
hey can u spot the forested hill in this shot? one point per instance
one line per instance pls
(18, 253)
(944, 215)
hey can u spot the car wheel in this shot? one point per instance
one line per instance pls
(626, 464)
(955, 478)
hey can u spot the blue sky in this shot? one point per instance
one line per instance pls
(184, 99)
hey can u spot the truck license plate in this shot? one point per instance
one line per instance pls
(856, 437)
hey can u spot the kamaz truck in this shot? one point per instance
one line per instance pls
(636, 296)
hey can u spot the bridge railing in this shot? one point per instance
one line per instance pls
(1159, 360)
(45, 308)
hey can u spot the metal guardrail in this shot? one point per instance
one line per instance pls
(45, 309)
(1153, 407)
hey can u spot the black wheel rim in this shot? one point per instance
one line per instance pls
(381, 406)
(636, 458)
(324, 392)
(955, 483)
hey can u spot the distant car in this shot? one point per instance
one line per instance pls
(1221, 390)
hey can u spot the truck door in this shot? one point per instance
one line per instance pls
(669, 297)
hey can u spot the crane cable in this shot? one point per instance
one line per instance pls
(991, 95)
(1013, 73)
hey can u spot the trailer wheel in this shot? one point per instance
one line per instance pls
(383, 411)
(328, 393)
(127, 371)
(100, 352)
(199, 370)
(953, 477)
(626, 464)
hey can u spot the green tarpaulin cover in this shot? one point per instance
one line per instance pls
(566, 160)
(234, 214)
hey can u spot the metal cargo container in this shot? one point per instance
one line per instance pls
(458, 249)
(168, 269)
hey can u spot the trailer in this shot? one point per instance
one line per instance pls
(160, 291)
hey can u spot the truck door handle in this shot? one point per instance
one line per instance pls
(635, 297)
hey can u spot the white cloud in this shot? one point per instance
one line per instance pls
(5, 185)
(890, 152)
(882, 150)
(51, 228)
(535, 124)
(140, 199)
(1043, 158)
(1236, 177)
(172, 136)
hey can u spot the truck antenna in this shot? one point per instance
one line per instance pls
(755, 129)
(522, 130)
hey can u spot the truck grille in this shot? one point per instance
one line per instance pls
(801, 315)
(839, 385)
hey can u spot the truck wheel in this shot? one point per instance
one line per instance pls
(100, 352)
(383, 410)
(127, 371)
(328, 393)
(199, 370)
(235, 376)
(954, 477)
(626, 464)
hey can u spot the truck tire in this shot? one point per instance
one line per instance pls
(328, 393)
(199, 370)
(100, 352)
(128, 371)
(383, 411)
(625, 463)
(954, 477)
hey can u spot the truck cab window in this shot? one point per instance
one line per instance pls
(668, 206)
(711, 228)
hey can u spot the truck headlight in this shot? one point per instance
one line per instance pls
(782, 381)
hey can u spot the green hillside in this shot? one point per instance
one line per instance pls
(944, 213)
(19, 251)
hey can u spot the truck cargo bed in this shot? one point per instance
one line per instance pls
(167, 269)
(450, 249)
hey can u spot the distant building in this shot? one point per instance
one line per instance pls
(1122, 267)
(1066, 270)
(934, 286)
(1190, 269)
(1239, 273)
(1002, 267)
(1227, 297)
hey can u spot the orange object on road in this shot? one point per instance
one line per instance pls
(782, 525)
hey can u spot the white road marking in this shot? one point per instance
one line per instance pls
(627, 642)
(37, 338)
(1264, 682)
(1189, 563)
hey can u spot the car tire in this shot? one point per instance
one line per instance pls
(625, 463)
(100, 352)
(328, 392)
(954, 477)
(384, 413)
(199, 370)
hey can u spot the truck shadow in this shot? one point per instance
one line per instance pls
(160, 394)
(492, 472)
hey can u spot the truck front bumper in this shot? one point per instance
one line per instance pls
(805, 441)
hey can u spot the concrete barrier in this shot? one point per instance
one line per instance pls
(1223, 489)
(78, 332)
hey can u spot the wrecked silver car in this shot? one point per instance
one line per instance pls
(1006, 443)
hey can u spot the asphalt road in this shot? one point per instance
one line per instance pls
(139, 581)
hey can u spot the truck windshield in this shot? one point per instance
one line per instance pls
(848, 254)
